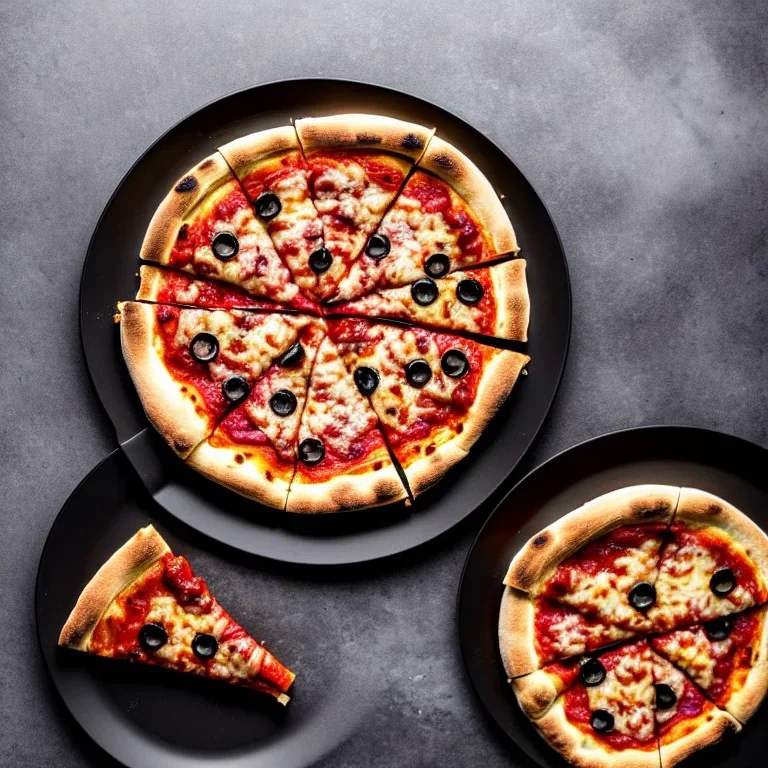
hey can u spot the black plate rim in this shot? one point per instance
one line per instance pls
(561, 256)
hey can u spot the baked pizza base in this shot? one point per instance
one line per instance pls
(687, 737)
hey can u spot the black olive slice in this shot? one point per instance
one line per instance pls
(205, 646)
(418, 373)
(268, 206)
(311, 451)
(469, 291)
(225, 246)
(320, 260)
(283, 402)
(601, 720)
(665, 697)
(437, 265)
(152, 637)
(378, 247)
(366, 379)
(204, 347)
(592, 673)
(642, 596)
(292, 356)
(454, 363)
(235, 388)
(723, 582)
(718, 629)
(424, 291)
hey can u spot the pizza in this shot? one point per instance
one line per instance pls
(146, 605)
(600, 654)
(252, 368)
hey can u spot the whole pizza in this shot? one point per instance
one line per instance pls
(324, 313)
(633, 630)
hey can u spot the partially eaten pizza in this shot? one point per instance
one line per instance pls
(324, 313)
(633, 630)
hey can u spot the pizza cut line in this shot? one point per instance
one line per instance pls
(604, 687)
(241, 342)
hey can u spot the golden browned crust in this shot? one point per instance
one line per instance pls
(746, 701)
(150, 283)
(347, 492)
(517, 636)
(368, 132)
(186, 194)
(499, 376)
(245, 153)
(585, 751)
(679, 743)
(248, 477)
(425, 471)
(512, 303)
(454, 168)
(537, 692)
(120, 571)
(634, 505)
(698, 508)
(170, 411)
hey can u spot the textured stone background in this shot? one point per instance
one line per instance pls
(642, 125)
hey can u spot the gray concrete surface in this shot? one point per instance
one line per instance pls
(644, 127)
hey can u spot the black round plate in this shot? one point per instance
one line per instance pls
(147, 717)
(727, 466)
(110, 272)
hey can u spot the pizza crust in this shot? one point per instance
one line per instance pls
(367, 132)
(208, 175)
(634, 505)
(124, 567)
(517, 636)
(150, 283)
(245, 153)
(169, 410)
(683, 742)
(456, 169)
(537, 692)
(513, 306)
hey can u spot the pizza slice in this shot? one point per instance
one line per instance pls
(716, 564)
(146, 605)
(727, 658)
(190, 366)
(603, 558)
(275, 177)
(357, 164)
(491, 301)
(253, 449)
(434, 393)
(343, 461)
(534, 632)
(207, 227)
(686, 720)
(539, 690)
(447, 217)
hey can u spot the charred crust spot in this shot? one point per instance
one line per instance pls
(541, 540)
(193, 398)
(183, 230)
(714, 509)
(429, 450)
(377, 465)
(184, 389)
(367, 138)
(239, 458)
(412, 141)
(390, 411)
(180, 446)
(187, 184)
(459, 428)
(206, 164)
(270, 477)
(444, 161)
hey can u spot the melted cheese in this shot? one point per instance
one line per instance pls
(572, 634)
(693, 652)
(665, 673)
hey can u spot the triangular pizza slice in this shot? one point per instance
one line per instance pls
(146, 605)
(447, 217)
(538, 691)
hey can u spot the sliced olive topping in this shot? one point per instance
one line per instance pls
(469, 291)
(311, 451)
(592, 673)
(367, 379)
(424, 291)
(642, 596)
(418, 373)
(283, 402)
(601, 720)
(665, 697)
(235, 388)
(152, 637)
(719, 629)
(225, 246)
(378, 247)
(723, 582)
(268, 206)
(320, 260)
(292, 356)
(437, 265)
(205, 646)
(204, 347)
(454, 363)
